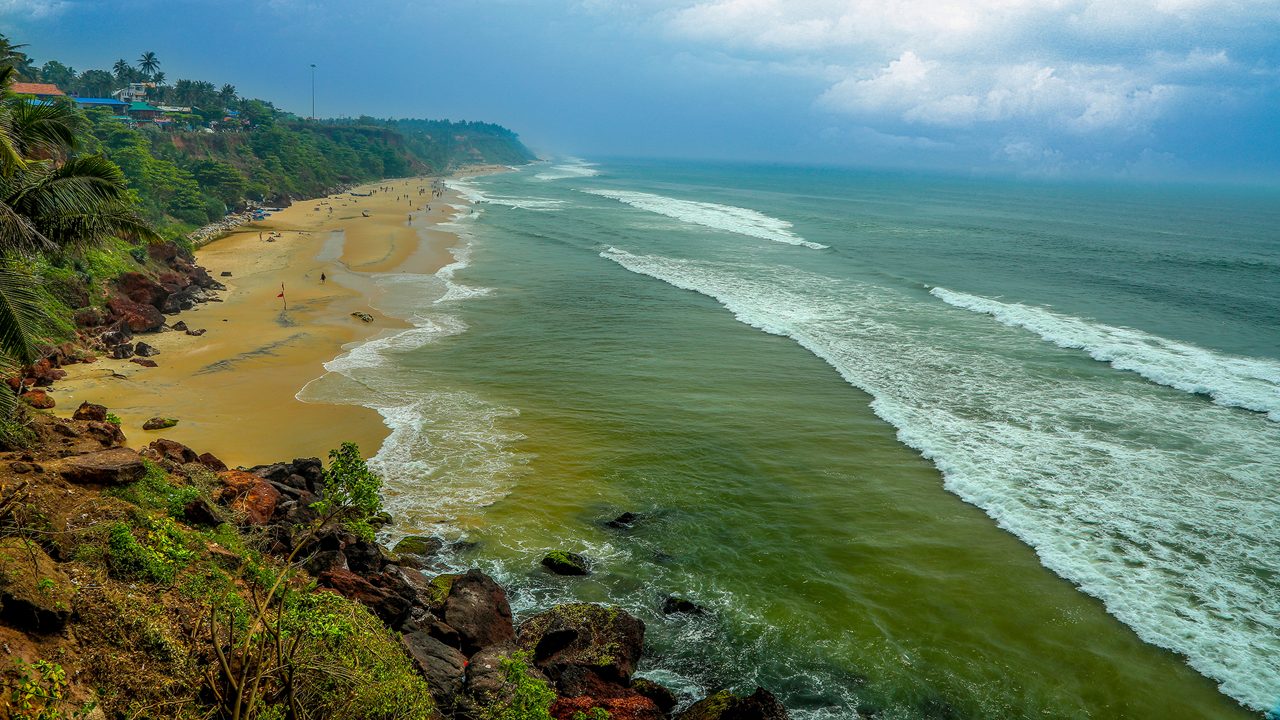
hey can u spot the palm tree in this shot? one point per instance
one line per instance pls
(158, 78)
(227, 95)
(122, 70)
(51, 200)
(149, 63)
(11, 55)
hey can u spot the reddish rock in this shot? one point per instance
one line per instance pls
(477, 608)
(107, 433)
(89, 317)
(211, 462)
(117, 466)
(173, 451)
(141, 289)
(138, 317)
(384, 603)
(90, 411)
(38, 399)
(45, 373)
(144, 362)
(630, 707)
(248, 494)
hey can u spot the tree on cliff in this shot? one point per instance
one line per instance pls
(52, 200)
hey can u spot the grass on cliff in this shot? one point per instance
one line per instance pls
(141, 640)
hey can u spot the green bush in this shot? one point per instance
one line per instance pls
(525, 697)
(156, 558)
(154, 491)
(40, 693)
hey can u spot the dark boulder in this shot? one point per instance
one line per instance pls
(724, 705)
(144, 350)
(180, 326)
(89, 411)
(208, 460)
(389, 606)
(363, 557)
(123, 351)
(566, 563)
(144, 362)
(477, 608)
(170, 450)
(324, 561)
(200, 512)
(159, 423)
(581, 646)
(443, 667)
(660, 695)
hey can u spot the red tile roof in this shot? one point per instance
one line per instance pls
(22, 88)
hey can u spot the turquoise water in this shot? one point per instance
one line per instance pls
(924, 447)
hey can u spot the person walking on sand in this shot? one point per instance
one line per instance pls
(322, 278)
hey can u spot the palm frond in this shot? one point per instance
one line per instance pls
(46, 130)
(23, 316)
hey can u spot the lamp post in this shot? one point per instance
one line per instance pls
(313, 91)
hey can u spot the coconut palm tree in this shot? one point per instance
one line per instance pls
(227, 95)
(122, 70)
(51, 200)
(11, 55)
(149, 63)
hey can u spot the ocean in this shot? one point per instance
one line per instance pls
(922, 446)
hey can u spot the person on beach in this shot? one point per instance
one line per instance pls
(322, 278)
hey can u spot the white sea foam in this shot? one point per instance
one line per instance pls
(1250, 383)
(572, 169)
(475, 195)
(742, 221)
(1160, 504)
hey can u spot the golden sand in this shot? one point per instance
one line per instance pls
(233, 389)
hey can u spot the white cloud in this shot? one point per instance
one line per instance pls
(32, 9)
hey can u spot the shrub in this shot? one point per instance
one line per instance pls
(525, 697)
(157, 560)
(40, 693)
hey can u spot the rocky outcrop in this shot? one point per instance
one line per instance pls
(444, 667)
(38, 399)
(585, 649)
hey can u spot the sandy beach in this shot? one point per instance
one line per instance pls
(233, 389)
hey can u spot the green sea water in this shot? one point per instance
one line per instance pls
(922, 448)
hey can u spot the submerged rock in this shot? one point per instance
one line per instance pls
(421, 545)
(159, 423)
(566, 563)
(673, 605)
(625, 521)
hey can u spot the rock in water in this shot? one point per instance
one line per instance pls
(566, 563)
(420, 545)
(673, 605)
(623, 521)
(89, 411)
(159, 423)
(724, 705)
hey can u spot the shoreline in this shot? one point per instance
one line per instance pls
(234, 389)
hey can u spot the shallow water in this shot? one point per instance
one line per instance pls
(773, 365)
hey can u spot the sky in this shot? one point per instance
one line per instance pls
(1140, 89)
